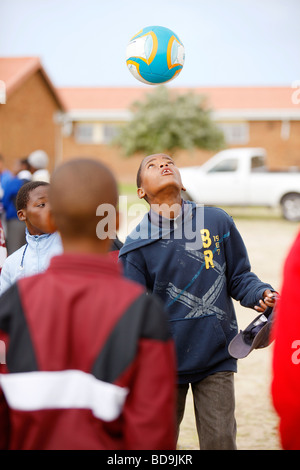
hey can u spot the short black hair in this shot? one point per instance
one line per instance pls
(139, 174)
(23, 193)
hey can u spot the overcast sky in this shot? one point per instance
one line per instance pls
(227, 42)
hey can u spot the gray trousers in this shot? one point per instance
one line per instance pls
(214, 405)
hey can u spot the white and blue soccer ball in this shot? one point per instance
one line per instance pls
(155, 55)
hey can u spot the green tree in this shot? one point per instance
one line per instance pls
(166, 122)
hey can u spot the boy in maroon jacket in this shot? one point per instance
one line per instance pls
(286, 353)
(90, 363)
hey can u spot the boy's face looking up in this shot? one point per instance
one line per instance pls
(36, 213)
(158, 173)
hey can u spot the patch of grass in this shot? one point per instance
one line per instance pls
(253, 213)
(127, 189)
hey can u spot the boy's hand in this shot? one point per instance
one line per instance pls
(269, 300)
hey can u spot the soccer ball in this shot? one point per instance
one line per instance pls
(155, 55)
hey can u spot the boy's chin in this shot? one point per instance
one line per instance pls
(172, 186)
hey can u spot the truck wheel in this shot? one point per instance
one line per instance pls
(290, 205)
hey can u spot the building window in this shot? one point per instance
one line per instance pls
(235, 133)
(231, 164)
(258, 164)
(285, 130)
(110, 131)
(95, 133)
(85, 133)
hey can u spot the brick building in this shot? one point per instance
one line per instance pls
(29, 104)
(266, 117)
(72, 122)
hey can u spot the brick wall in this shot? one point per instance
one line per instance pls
(26, 121)
(267, 134)
(125, 168)
(281, 152)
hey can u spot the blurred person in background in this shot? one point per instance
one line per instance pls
(38, 162)
(15, 229)
(90, 358)
(32, 205)
(3, 250)
(285, 386)
(5, 176)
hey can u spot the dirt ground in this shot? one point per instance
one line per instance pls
(268, 240)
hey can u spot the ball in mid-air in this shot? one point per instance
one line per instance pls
(155, 55)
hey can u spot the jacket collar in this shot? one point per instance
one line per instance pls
(154, 227)
(34, 238)
(79, 262)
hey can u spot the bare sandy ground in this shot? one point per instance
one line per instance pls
(268, 241)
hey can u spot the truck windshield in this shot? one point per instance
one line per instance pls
(226, 165)
(258, 164)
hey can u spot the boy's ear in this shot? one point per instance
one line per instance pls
(182, 187)
(21, 215)
(117, 220)
(51, 222)
(141, 193)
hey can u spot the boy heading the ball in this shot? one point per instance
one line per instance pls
(196, 282)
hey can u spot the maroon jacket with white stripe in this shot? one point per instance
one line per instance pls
(89, 361)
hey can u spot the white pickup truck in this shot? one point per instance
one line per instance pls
(239, 177)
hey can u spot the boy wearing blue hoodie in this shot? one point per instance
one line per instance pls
(194, 258)
(32, 204)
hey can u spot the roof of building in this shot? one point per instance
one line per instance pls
(248, 103)
(14, 71)
(217, 97)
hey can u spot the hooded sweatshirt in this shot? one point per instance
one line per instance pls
(286, 353)
(196, 263)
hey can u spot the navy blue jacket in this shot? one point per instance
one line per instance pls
(196, 278)
(10, 194)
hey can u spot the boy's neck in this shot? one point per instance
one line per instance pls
(168, 206)
(35, 233)
(86, 245)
